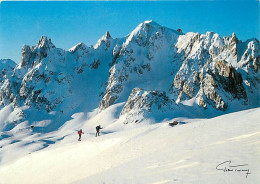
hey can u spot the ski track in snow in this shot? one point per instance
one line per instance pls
(139, 153)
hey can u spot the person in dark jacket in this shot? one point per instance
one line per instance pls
(98, 128)
(179, 30)
(80, 132)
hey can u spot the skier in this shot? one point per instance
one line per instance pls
(80, 132)
(179, 30)
(98, 128)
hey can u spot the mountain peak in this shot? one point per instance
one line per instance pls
(147, 24)
(44, 42)
(151, 22)
(234, 37)
(107, 35)
(79, 46)
(104, 39)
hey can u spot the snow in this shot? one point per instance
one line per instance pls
(142, 153)
(53, 93)
(7, 64)
(8, 116)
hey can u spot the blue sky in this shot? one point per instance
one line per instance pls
(68, 23)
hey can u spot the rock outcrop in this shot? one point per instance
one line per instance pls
(142, 104)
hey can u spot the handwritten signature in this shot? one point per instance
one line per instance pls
(227, 167)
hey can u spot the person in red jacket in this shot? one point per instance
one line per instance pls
(80, 132)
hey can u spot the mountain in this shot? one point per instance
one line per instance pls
(134, 87)
(157, 72)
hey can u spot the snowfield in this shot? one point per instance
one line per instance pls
(195, 151)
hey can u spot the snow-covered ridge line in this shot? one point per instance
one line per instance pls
(202, 74)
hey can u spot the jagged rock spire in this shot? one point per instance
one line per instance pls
(26, 55)
(37, 52)
(107, 35)
(44, 42)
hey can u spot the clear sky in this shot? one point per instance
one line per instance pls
(68, 23)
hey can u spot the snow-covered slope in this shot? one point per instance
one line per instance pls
(187, 153)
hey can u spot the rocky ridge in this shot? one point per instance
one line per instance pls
(153, 69)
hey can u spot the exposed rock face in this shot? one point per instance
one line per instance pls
(212, 83)
(206, 67)
(48, 77)
(141, 104)
(34, 55)
(134, 57)
(207, 72)
(7, 93)
(26, 55)
(36, 72)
